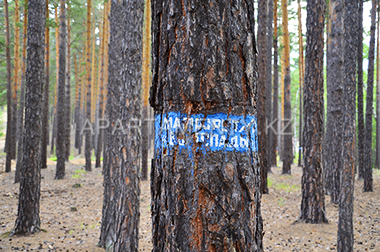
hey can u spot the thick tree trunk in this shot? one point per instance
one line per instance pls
(205, 174)
(61, 101)
(120, 219)
(377, 162)
(45, 115)
(28, 220)
(87, 147)
(313, 198)
(8, 140)
(368, 187)
(346, 208)
(275, 121)
(268, 107)
(20, 118)
(288, 143)
(68, 92)
(335, 101)
(360, 94)
(262, 92)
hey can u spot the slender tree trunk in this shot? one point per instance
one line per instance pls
(120, 219)
(204, 85)
(54, 130)
(368, 187)
(8, 140)
(262, 92)
(45, 116)
(288, 143)
(275, 120)
(77, 103)
(377, 163)
(313, 198)
(335, 100)
(145, 90)
(269, 90)
(346, 208)
(68, 91)
(61, 101)
(16, 79)
(20, 118)
(87, 151)
(28, 220)
(301, 76)
(360, 94)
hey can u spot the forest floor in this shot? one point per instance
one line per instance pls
(70, 216)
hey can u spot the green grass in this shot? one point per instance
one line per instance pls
(283, 186)
(78, 174)
(376, 172)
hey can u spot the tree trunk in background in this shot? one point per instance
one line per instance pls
(87, 148)
(204, 82)
(368, 187)
(288, 143)
(377, 163)
(346, 208)
(360, 94)
(77, 102)
(146, 80)
(121, 204)
(313, 198)
(54, 120)
(61, 102)
(16, 79)
(268, 107)
(68, 91)
(45, 116)
(8, 140)
(335, 101)
(20, 115)
(273, 147)
(28, 220)
(301, 79)
(262, 92)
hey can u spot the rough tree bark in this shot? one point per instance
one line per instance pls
(360, 94)
(120, 218)
(68, 90)
(205, 175)
(377, 162)
(28, 220)
(367, 175)
(288, 143)
(346, 198)
(301, 79)
(54, 120)
(335, 101)
(270, 133)
(87, 147)
(45, 113)
(262, 92)
(20, 115)
(61, 99)
(8, 140)
(313, 198)
(273, 147)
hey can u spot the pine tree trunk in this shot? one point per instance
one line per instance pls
(301, 79)
(360, 94)
(120, 218)
(87, 148)
(368, 187)
(20, 118)
(61, 101)
(345, 239)
(28, 220)
(270, 133)
(68, 92)
(377, 162)
(275, 121)
(262, 92)
(8, 158)
(54, 121)
(313, 198)
(45, 116)
(335, 101)
(78, 92)
(288, 143)
(205, 175)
